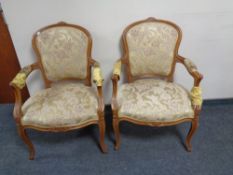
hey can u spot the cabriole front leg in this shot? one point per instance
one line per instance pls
(23, 134)
(116, 132)
(193, 128)
(102, 127)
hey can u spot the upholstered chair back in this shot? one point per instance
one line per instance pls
(151, 46)
(63, 51)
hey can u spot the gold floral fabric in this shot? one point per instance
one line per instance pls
(196, 96)
(97, 75)
(151, 48)
(117, 68)
(63, 52)
(152, 100)
(64, 104)
(20, 79)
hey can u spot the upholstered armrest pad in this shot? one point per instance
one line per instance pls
(20, 79)
(97, 75)
(196, 96)
(190, 65)
(117, 68)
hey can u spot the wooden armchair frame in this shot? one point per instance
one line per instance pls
(17, 113)
(191, 68)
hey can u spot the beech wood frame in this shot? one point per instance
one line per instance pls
(17, 113)
(177, 59)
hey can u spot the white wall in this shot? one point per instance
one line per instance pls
(207, 33)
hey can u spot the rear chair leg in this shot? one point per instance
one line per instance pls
(23, 134)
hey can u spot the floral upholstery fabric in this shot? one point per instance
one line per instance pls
(153, 100)
(64, 104)
(151, 48)
(63, 52)
(190, 65)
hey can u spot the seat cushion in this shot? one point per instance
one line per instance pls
(153, 100)
(62, 105)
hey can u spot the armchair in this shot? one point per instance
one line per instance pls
(68, 102)
(150, 53)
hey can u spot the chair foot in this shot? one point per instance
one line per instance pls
(117, 146)
(103, 146)
(117, 133)
(23, 134)
(193, 128)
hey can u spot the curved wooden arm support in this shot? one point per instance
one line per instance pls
(192, 69)
(100, 101)
(17, 84)
(115, 79)
(98, 80)
(196, 91)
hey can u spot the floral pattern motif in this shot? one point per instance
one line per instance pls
(154, 100)
(190, 65)
(64, 104)
(151, 48)
(63, 52)
(20, 79)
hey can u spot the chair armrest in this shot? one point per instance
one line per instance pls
(98, 80)
(97, 74)
(117, 69)
(196, 92)
(191, 68)
(115, 79)
(17, 84)
(19, 80)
